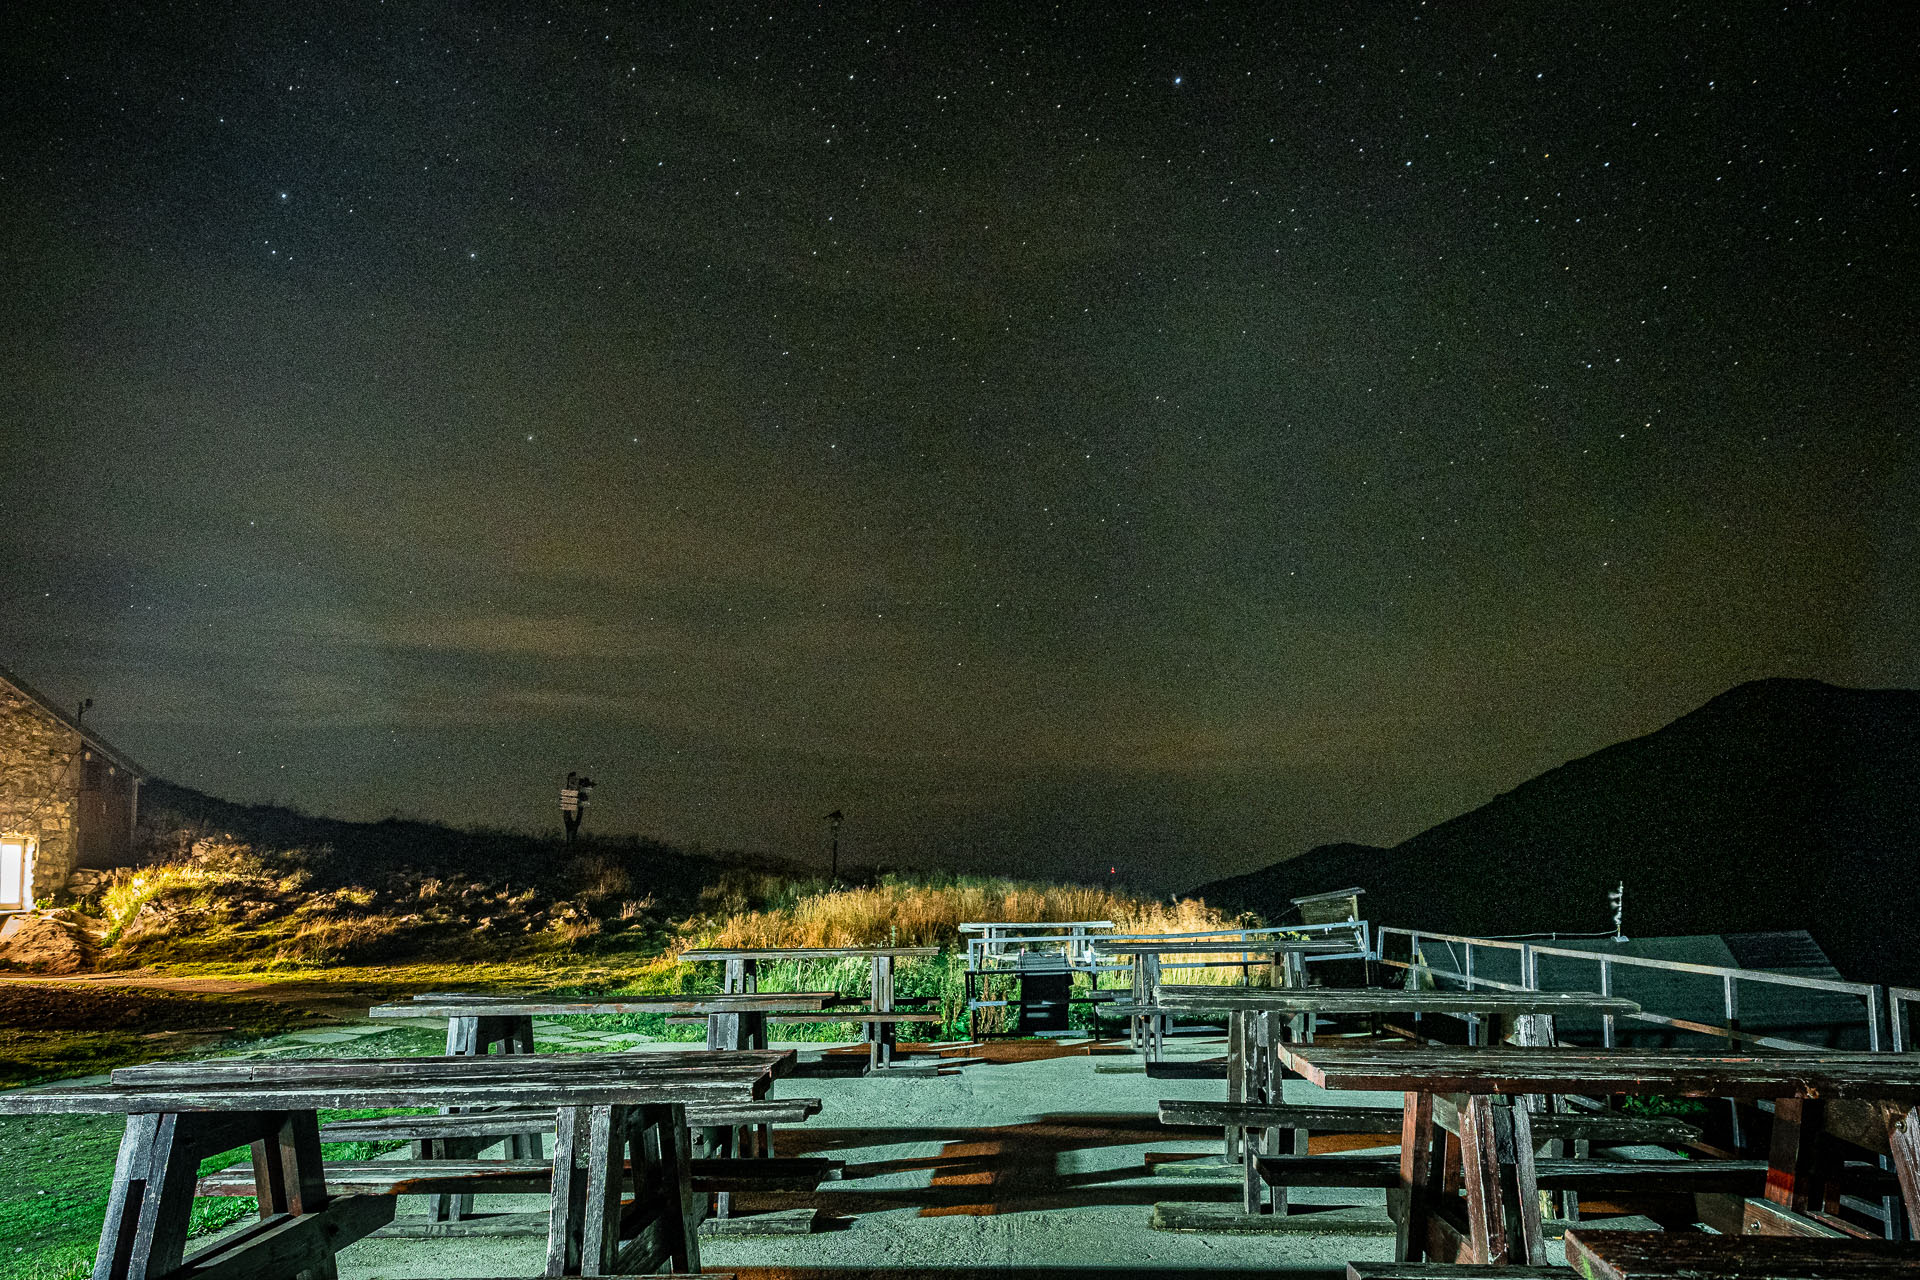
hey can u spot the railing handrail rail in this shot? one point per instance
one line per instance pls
(977, 926)
(1863, 989)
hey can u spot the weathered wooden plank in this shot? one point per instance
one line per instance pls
(1645, 1176)
(688, 1062)
(1480, 1175)
(1513, 1070)
(528, 1177)
(542, 1008)
(855, 1015)
(286, 1245)
(1903, 1144)
(108, 1100)
(419, 1226)
(1413, 1176)
(540, 1120)
(1223, 1219)
(1369, 1000)
(1663, 1255)
(1253, 1115)
(1760, 1217)
(1614, 1128)
(784, 1173)
(774, 1222)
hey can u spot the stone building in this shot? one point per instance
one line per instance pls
(68, 797)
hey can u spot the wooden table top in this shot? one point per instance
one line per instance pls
(1891, 1077)
(805, 953)
(527, 1080)
(460, 1006)
(1631, 1255)
(1205, 999)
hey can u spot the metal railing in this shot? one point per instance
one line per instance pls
(1527, 955)
(999, 946)
(1899, 1017)
(1001, 943)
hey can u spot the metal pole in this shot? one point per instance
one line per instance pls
(1606, 989)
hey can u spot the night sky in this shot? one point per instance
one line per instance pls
(1058, 437)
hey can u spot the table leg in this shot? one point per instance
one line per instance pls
(463, 1035)
(1526, 1181)
(145, 1232)
(1416, 1176)
(607, 1132)
(1480, 1171)
(287, 1173)
(1903, 1142)
(1236, 1075)
(1793, 1160)
(664, 1206)
(567, 1216)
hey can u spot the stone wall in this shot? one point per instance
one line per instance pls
(39, 786)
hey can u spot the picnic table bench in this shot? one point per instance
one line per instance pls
(1260, 1019)
(879, 1024)
(721, 1130)
(1492, 1158)
(612, 1112)
(1149, 1018)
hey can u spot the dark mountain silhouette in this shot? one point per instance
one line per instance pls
(1780, 804)
(338, 853)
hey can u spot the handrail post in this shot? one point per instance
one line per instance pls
(1875, 1001)
(1469, 966)
(1732, 1001)
(1607, 1024)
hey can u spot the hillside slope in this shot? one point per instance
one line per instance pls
(1780, 804)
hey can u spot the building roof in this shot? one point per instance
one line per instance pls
(87, 735)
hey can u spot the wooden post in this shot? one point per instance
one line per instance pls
(567, 1216)
(1416, 1172)
(1480, 1171)
(1903, 1142)
(1793, 1162)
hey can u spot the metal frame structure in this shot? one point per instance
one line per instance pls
(998, 949)
(1874, 998)
(1899, 1017)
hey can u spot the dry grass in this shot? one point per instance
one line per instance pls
(914, 913)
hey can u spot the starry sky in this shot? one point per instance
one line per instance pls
(1060, 437)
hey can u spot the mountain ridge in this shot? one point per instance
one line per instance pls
(1778, 804)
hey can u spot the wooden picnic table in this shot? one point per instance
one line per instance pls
(1492, 1152)
(1148, 1024)
(609, 1110)
(479, 1024)
(742, 976)
(1259, 1019)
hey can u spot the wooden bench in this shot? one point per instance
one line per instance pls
(1267, 1115)
(505, 1123)
(1652, 1176)
(878, 1027)
(1694, 1255)
(524, 1177)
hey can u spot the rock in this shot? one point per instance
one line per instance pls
(45, 942)
(86, 881)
